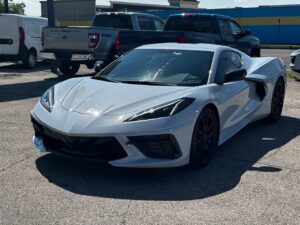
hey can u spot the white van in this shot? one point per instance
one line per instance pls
(20, 38)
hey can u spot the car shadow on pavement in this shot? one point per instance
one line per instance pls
(19, 68)
(232, 160)
(22, 91)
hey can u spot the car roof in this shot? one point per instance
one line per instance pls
(202, 14)
(128, 13)
(23, 16)
(194, 47)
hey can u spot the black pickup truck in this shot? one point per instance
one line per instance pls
(113, 34)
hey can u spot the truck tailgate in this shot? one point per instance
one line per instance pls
(66, 38)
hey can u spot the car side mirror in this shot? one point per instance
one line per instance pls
(235, 75)
(247, 32)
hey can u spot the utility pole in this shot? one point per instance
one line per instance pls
(6, 6)
(50, 12)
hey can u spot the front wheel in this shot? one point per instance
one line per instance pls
(205, 139)
(69, 68)
(31, 59)
(277, 100)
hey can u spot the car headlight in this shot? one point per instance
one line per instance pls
(164, 110)
(47, 100)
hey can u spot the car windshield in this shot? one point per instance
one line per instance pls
(160, 67)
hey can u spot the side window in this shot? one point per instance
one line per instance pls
(146, 23)
(228, 61)
(225, 28)
(159, 25)
(235, 28)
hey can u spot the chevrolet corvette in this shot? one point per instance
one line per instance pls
(161, 105)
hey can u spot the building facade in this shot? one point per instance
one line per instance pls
(272, 24)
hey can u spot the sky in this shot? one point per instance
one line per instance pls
(33, 6)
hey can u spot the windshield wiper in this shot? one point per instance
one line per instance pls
(147, 83)
(105, 79)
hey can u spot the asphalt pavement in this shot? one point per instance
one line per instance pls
(253, 179)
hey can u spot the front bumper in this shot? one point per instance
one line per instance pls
(123, 150)
(295, 63)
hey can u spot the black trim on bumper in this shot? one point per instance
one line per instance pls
(157, 146)
(91, 148)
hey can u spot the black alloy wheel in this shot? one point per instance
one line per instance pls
(277, 100)
(205, 139)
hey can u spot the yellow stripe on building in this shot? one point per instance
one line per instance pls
(265, 21)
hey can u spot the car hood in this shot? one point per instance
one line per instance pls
(95, 97)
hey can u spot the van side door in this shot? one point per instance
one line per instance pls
(9, 34)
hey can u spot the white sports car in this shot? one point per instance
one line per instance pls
(295, 61)
(162, 105)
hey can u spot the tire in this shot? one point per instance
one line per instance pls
(31, 59)
(205, 139)
(68, 68)
(90, 66)
(277, 100)
(255, 52)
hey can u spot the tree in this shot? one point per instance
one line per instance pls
(14, 8)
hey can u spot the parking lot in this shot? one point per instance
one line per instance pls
(253, 179)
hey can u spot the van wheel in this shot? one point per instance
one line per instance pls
(69, 68)
(31, 59)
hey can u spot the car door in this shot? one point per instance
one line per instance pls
(9, 34)
(242, 42)
(236, 97)
(226, 33)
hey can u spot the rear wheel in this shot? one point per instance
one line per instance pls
(205, 138)
(69, 68)
(277, 100)
(31, 59)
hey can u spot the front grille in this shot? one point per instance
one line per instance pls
(293, 59)
(157, 146)
(94, 148)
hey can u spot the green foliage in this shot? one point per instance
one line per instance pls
(14, 8)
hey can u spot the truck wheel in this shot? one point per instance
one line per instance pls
(31, 59)
(90, 65)
(69, 68)
(255, 52)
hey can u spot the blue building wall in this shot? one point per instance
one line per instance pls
(273, 25)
